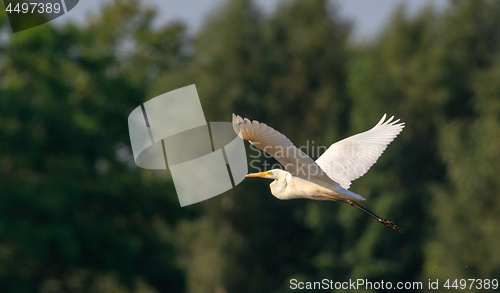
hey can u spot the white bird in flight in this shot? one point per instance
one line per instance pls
(330, 176)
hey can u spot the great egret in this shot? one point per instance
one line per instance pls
(330, 176)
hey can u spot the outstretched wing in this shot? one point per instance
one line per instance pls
(280, 147)
(351, 158)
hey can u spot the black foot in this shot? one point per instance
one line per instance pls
(391, 225)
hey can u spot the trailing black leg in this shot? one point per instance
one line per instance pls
(387, 223)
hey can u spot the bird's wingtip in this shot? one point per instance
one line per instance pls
(381, 120)
(236, 124)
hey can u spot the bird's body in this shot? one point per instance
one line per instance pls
(327, 178)
(287, 186)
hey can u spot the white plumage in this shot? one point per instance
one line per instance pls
(330, 176)
(351, 158)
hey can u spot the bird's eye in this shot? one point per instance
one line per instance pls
(270, 173)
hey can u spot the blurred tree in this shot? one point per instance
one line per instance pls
(76, 215)
(466, 206)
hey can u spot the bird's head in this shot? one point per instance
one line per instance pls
(271, 174)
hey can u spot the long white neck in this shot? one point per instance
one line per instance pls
(279, 185)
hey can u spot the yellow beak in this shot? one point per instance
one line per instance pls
(260, 174)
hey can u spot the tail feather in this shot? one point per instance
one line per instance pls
(350, 194)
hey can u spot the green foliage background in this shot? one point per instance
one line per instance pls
(77, 215)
